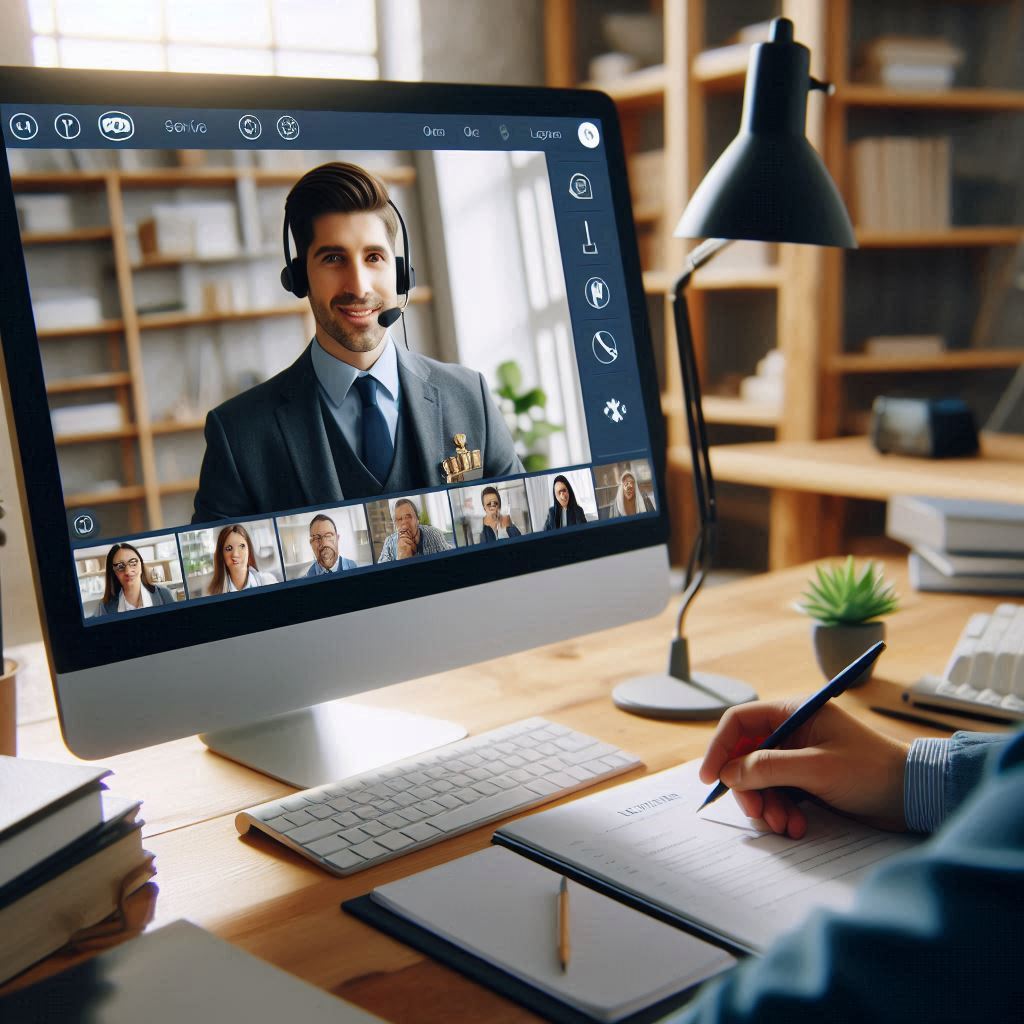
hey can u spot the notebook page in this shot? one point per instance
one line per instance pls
(717, 868)
(503, 908)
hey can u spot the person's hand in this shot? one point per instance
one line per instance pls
(406, 546)
(506, 521)
(834, 757)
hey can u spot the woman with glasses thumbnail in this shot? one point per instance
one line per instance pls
(496, 526)
(127, 584)
(565, 509)
(234, 563)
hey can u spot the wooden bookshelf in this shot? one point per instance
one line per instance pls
(93, 382)
(103, 327)
(949, 238)
(100, 234)
(855, 94)
(943, 362)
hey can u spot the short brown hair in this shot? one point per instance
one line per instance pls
(336, 188)
(410, 503)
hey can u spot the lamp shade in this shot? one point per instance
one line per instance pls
(770, 184)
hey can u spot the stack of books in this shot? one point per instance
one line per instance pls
(902, 183)
(960, 544)
(70, 853)
(911, 62)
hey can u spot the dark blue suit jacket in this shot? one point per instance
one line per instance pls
(267, 449)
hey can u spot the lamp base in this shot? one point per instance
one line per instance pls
(681, 694)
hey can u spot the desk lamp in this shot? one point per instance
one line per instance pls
(770, 186)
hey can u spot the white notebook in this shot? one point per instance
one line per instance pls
(503, 908)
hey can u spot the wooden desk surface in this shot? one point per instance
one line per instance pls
(850, 467)
(283, 909)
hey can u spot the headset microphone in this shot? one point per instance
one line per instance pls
(389, 316)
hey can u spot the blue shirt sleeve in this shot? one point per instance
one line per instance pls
(934, 934)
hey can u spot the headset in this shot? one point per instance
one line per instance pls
(295, 280)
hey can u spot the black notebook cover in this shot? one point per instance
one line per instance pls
(492, 977)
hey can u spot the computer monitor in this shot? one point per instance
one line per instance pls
(229, 529)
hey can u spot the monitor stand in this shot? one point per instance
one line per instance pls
(331, 741)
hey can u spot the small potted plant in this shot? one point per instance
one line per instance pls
(847, 607)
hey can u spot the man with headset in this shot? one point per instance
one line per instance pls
(354, 416)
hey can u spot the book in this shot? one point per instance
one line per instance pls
(958, 525)
(972, 565)
(925, 576)
(75, 888)
(177, 973)
(900, 346)
(644, 844)
(502, 910)
(45, 806)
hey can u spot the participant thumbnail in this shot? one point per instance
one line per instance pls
(403, 528)
(230, 558)
(624, 489)
(562, 499)
(144, 572)
(324, 542)
(489, 513)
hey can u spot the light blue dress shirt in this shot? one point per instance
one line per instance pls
(342, 399)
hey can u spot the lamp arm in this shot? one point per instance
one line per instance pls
(703, 482)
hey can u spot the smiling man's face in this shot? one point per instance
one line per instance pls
(351, 270)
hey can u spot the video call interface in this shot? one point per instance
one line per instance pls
(446, 363)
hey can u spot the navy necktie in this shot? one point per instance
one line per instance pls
(378, 448)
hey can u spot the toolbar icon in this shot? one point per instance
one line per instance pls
(589, 247)
(116, 125)
(597, 292)
(615, 410)
(250, 127)
(589, 135)
(606, 349)
(579, 186)
(67, 126)
(24, 127)
(288, 128)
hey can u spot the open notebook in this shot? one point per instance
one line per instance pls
(662, 894)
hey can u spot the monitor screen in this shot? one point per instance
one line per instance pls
(278, 351)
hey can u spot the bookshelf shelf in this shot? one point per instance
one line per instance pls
(647, 213)
(970, 359)
(103, 327)
(94, 382)
(644, 89)
(180, 486)
(59, 181)
(111, 497)
(947, 238)
(738, 279)
(858, 95)
(165, 260)
(161, 427)
(96, 435)
(164, 321)
(98, 234)
(210, 177)
(727, 409)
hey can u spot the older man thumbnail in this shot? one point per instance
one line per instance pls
(411, 537)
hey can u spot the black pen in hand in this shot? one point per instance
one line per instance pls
(833, 688)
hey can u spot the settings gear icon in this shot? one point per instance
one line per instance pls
(615, 410)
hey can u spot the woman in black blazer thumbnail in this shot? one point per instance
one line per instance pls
(565, 510)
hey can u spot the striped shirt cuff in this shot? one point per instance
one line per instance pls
(923, 784)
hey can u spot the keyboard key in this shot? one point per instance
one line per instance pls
(321, 811)
(300, 818)
(293, 803)
(481, 810)
(422, 832)
(370, 849)
(315, 830)
(373, 828)
(323, 847)
(344, 859)
(395, 840)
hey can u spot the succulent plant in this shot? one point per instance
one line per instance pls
(839, 596)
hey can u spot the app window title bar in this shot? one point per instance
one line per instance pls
(45, 127)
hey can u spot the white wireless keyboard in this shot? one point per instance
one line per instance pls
(985, 674)
(348, 826)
